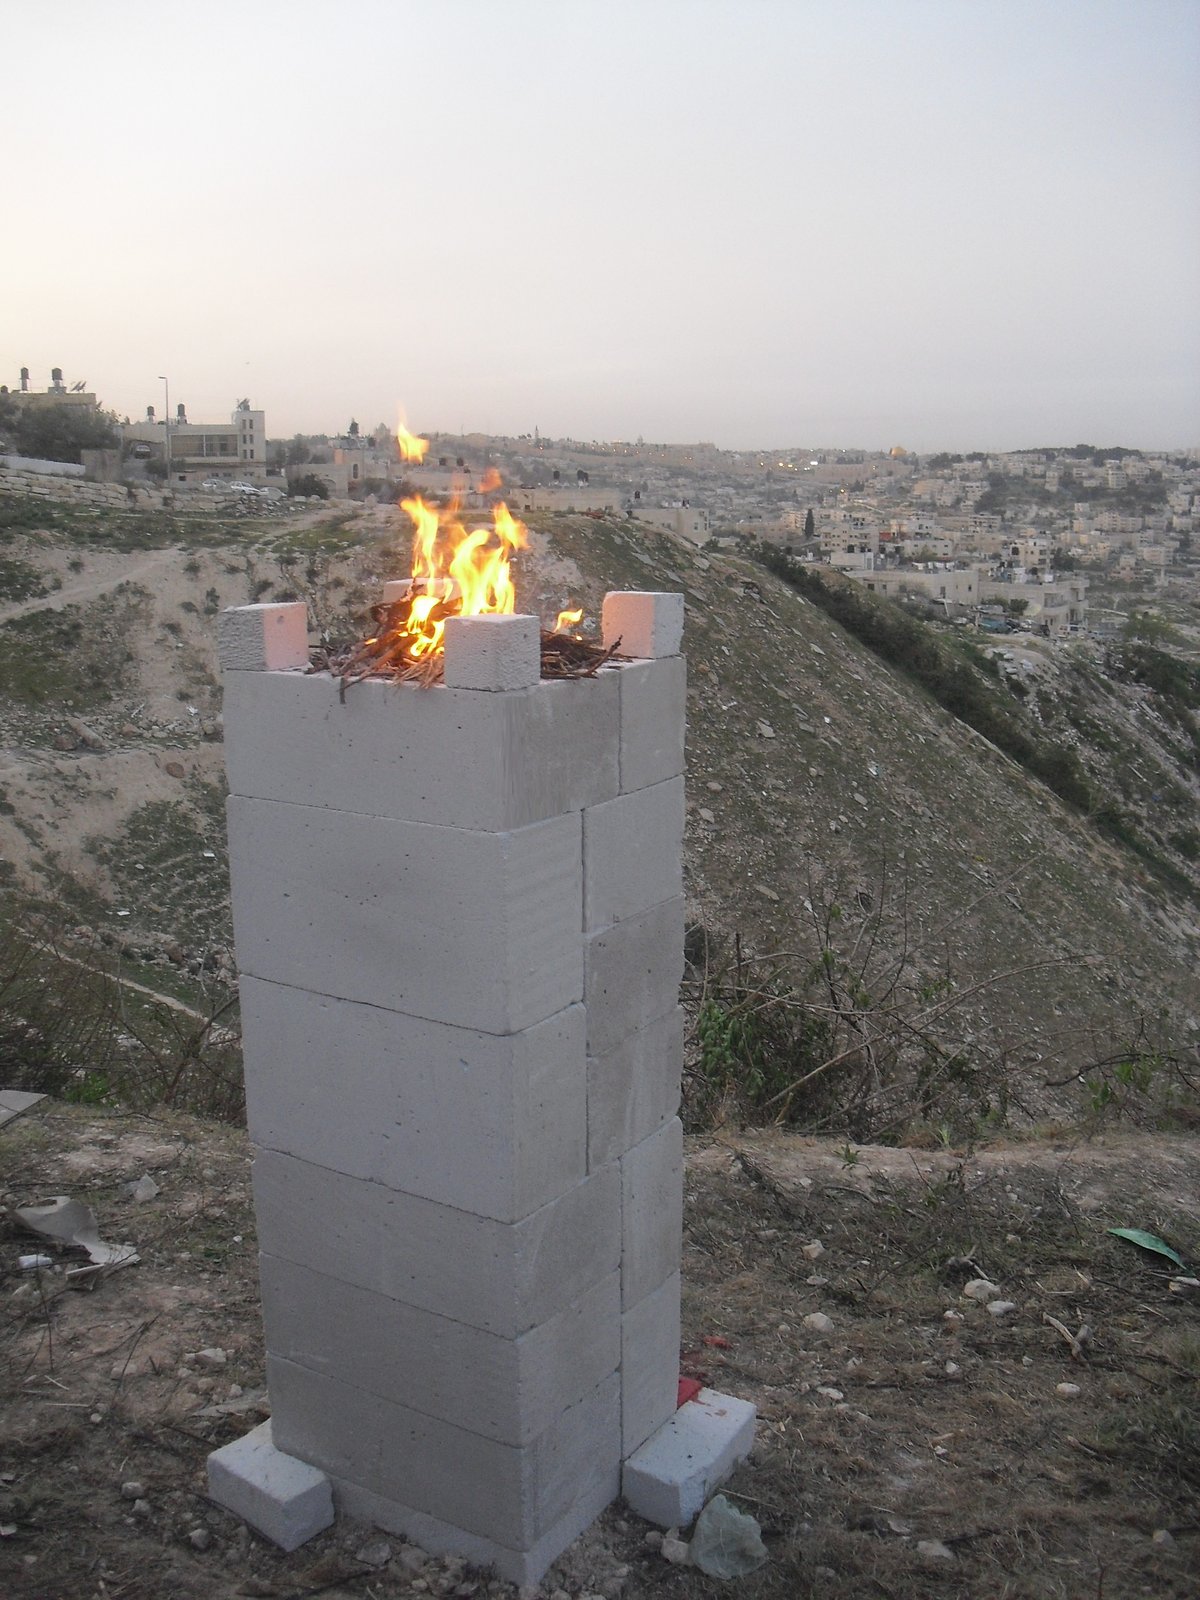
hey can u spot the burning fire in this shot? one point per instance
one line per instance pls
(411, 448)
(456, 573)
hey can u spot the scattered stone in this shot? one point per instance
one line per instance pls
(200, 1539)
(980, 1289)
(813, 1251)
(952, 1316)
(652, 1539)
(212, 1357)
(86, 735)
(818, 1322)
(411, 1560)
(674, 1550)
(767, 894)
(1067, 1390)
(133, 1490)
(64, 741)
(127, 731)
(375, 1553)
(830, 1392)
(859, 799)
(1162, 1536)
(144, 1189)
(764, 730)
(706, 815)
(952, 1369)
(174, 769)
(141, 1508)
(1001, 1308)
(934, 1550)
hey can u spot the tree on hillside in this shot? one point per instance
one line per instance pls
(61, 433)
(810, 525)
(352, 430)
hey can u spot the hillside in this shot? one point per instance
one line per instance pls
(965, 940)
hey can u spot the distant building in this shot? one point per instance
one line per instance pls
(58, 394)
(198, 450)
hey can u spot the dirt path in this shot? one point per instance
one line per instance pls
(71, 593)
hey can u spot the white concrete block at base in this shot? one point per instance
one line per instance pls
(653, 721)
(646, 623)
(476, 929)
(649, 1364)
(448, 756)
(514, 1495)
(493, 652)
(494, 1124)
(598, 1490)
(631, 974)
(283, 1498)
(651, 1212)
(506, 1277)
(509, 1390)
(632, 1089)
(678, 1469)
(263, 638)
(632, 854)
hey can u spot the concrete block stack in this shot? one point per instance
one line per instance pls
(459, 925)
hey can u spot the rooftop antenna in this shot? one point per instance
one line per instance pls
(78, 388)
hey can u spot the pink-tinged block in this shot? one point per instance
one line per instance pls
(263, 638)
(479, 930)
(647, 624)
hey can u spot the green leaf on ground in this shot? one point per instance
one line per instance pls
(1148, 1241)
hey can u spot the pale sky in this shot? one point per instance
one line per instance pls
(950, 224)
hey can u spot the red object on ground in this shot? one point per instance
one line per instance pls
(689, 1388)
(716, 1342)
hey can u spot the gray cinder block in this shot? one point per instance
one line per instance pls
(653, 721)
(651, 1212)
(649, 1364)
(489, 1123)
(476, 929)
(632, 853)
(509, 1390)
(500, 1276)
(447, 756)
(647, 624)
(493, 652)
(633, 1088)
(263, 638)
(631, 974)
(679, 1468)
(286, 1499)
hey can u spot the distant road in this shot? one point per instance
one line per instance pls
(70, 593)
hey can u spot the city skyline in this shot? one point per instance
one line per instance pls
(763, 225)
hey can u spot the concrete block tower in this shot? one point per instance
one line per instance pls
(458, 915)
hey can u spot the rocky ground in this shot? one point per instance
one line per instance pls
(913, 1440)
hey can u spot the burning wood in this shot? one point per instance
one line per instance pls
(387, 654)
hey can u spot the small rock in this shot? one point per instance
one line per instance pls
(144, 1189)
(818, 1322)
(1162, 1536)
(675, 1551)
(830, 1392)
(411, 1560)
(1001, 1308)
(980, 1289)
(133, 1490)
(859, 799)
(86, 735)
(952, 1369)
(64, 741)
(375, 1553)
(813, 1251)
(200, 1539)
(816, 1281)
(652, 1539)
(767, 894)
(212, 1357)
(706, 815)
(174, 769)
(128, 731)
(952, 1316)
(764, 730)
(715, 788)
(1067, 1390)
(934, 1550)
(141, 1508)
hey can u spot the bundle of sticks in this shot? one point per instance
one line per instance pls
(386, 654)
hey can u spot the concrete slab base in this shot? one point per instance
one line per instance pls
(283, 1498)
(440, 1538)
(669, 1479)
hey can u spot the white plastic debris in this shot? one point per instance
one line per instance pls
(726, 1542)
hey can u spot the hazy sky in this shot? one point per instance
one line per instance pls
(944, 223)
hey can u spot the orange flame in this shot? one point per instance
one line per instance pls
(567, 620)
(491, 480)
(411, 447)
(456, 573)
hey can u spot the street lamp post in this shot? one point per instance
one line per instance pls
(167, 420)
